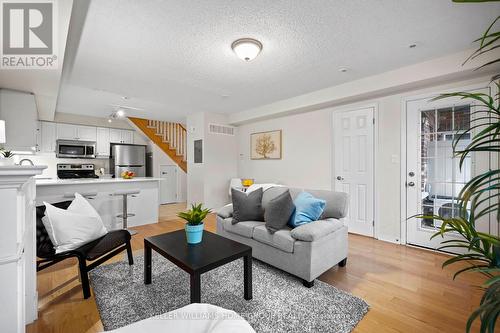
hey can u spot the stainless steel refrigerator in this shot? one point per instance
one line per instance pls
(125, 157)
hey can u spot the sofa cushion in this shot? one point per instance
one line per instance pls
(278, 212)
(271, 194)
(226, 211)
(247, 207)
(281, 239)
(315, 230)
(244, 228)
(336, 203)
(307, 209)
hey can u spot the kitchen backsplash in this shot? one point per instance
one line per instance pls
(51, 161)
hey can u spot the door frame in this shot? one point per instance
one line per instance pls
(403, 154)
(353, 107)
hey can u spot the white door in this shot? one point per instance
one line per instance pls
(433, 176)
(168, 184)
(354, 164)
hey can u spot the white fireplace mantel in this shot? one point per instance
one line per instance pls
(18, 246)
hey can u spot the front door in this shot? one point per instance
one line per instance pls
(354, 164)
(433, 176)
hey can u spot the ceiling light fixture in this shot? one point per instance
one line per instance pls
(246, 48)
(120, 113)
(343, 69)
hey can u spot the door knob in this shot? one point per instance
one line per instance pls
(411, 184)
(340, 178)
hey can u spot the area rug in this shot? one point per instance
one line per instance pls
(280, 302)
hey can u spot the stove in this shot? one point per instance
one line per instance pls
(69, 171)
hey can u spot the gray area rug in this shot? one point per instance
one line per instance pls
(280, 302)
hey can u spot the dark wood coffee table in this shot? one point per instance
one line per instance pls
(212, 252)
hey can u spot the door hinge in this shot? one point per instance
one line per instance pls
(373, 223)
(373, 121)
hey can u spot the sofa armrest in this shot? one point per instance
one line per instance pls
(315, 230)
(226, 211)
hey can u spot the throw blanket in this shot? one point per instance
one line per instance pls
(193, 318)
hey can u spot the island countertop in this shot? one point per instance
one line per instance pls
(105, 195)
(76, 181)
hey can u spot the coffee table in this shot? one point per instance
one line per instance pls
(212, 252)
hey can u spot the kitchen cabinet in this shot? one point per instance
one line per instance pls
(19, 111)
(47, 133)
(121, 136)
(103, 142)
(86, 133)
(76, 132)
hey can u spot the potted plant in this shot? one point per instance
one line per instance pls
(6, 157)
(194, 226)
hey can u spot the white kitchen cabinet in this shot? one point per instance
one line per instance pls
(19, 111)
(47, 133)
(121, 136)
(127, 136)
(103, 142)
(66, 132)
(76, 132)
(86, 133)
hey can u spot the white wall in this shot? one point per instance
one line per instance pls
(307, 153)
(208, 182)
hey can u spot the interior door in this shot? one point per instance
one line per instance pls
(433, 176)
(168, 184)
(354, 164)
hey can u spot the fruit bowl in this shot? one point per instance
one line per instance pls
(128, 174)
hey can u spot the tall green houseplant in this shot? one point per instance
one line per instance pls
(481, 195)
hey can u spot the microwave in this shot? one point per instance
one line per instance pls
(75, 149)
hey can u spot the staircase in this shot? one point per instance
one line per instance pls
(170, 137)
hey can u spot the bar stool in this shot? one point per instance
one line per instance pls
(125, 215)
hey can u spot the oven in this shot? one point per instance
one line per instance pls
(75, 149)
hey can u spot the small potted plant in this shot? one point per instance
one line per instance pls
(6, 157)
(194, 226)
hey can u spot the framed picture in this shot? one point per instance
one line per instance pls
(265, 145)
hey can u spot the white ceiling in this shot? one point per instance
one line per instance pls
(173, 58)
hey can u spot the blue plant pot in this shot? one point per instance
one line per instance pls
(194, 233)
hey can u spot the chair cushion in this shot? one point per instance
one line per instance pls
(109, 242)
(281, 239)
(244, 228)
(315, 230)
(247, 207)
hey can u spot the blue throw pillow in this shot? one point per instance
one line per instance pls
(307, 209)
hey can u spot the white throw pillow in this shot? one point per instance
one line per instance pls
(69, 230)
(80, 205)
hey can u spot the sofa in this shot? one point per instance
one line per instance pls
(306, 251)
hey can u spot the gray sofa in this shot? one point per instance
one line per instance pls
(306, 251)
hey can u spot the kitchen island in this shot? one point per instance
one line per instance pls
(99, 192)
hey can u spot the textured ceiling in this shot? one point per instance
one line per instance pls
(173, 58)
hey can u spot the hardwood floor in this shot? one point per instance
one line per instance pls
(406, 288)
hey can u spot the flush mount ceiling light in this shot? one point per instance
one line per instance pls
(246, 48)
